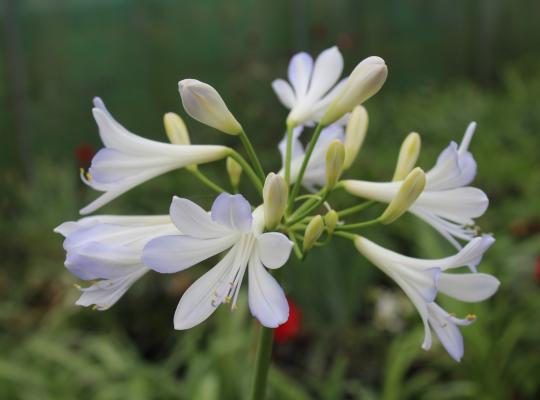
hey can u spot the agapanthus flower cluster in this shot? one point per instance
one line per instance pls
(293, 212)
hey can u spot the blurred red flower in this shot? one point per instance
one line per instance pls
(84, 154)
(290, 329)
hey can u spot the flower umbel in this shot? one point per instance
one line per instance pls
(298, 210)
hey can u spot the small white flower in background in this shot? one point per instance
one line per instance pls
(108, 249)
(129, 160)
(447, 203)
(315, 175)
(423, 279)
(231, 226)
(313, 86)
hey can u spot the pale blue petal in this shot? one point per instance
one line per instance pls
(232, 211)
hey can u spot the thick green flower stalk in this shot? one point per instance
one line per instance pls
(294, 212)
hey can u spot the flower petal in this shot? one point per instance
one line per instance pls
(106, 293)
(101, 261)
(232, 211)
(300, 69)
(273, 249)
(446, 330)
(192, 220)
(284, 92)
(197, 303)
(169, 254)
(326, 72)
(267, 300)
(470, 287)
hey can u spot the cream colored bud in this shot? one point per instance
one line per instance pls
(234, 170)
(275, 196)
(365, 80)
(176, 129)
(412, 187)
(204, 104)
(335, 157)
(331, 220)
(313, 232)
(408, 154)
(355, 134)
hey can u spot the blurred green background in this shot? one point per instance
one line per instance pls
(450, 62)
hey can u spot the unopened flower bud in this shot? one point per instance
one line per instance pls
(355, 134)
(176, 129)
(275, 196)
(313, 232)
(408, 154)
(234, 170)
(365, 80)
(331, 220)
(412, 187)
(335, 157)
(204, 103)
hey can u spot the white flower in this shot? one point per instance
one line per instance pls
(313, 86)
(447, 203)
(129, 160)
(229, 226)
(315, 174)
(109, 249)
(422, 279)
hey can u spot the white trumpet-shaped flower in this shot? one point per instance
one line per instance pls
(108, 249)
(447, 203)
(315, 174)
(231, 226)
(422, 279)
(313, 85)
(129, 160)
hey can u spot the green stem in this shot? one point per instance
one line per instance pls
(207, 181)
(288, 154)
(296, 247)
(247, 168)
(307, 207)
(346, 235)
(262, 363)
(355, 209)
(252, 155)
(307, 156)
(359, 224)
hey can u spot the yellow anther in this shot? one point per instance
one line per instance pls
(95, 307)
(228, 299)
(77, 286)
(470, 317)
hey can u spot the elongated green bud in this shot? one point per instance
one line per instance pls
(275, 196)
(408, 154)
(176, 129)
(313, 232)
(355, 134)
(235, 171)
(365, 80)
(335, 157)
(204, 103)
(331, 220)
(412, 187)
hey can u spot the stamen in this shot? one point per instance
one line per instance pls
(470, 317)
